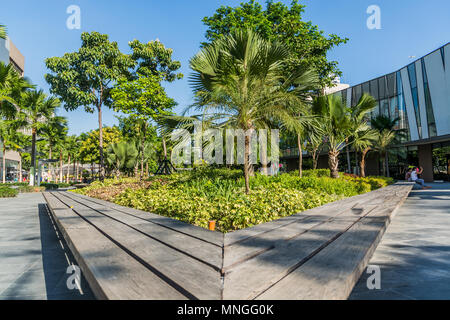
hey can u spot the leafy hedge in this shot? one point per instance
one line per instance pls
(201, 195)
(54, 186)
(7, 192)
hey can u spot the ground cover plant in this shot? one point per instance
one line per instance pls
(205, 194)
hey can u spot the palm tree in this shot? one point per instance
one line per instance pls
(12, 85)
(7, 137)
(239, 82)
(36, 108)
(340, 124)
(363, 142)
(387, 136)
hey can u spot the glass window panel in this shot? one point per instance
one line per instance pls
(358, 94)
(391, 87)
(384, 107)
(382, 87)
(374, 89)
(366, 87)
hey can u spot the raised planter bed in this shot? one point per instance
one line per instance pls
(320, 253)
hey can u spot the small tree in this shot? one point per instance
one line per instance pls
(85, 77)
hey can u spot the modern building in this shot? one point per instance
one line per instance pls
(419, 95)
(10, 54)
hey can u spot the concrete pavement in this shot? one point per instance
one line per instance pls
(414, 253)
(33, 255)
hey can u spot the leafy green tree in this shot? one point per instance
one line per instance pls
(35, 109)
(239, 81)
(89, 150)
(85, 77)
(307, 43)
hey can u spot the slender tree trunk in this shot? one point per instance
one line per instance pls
(33, 156)
(50, 166)
(333, 163)
(315, 158)
(60, 167)
(384, 165)
(146, 169)
(247, 164)
(164, 148)
(349, 163)
(100, 136)
(300, 156)
(74, 167)
(92, 170)
(386, 158)
(362, 164)
(68, 169)
(20, 169)
(4, 163)
(78, 172)
(142, 158)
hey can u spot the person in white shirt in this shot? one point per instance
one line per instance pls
(416, 179)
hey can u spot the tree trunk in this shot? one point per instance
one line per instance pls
(74, 167)
(387, 165)
(4, 164)
(164, 148)
(247, 164)
(349, 163)
(146, 169)
(300, 156)
(78, 171)
(333, 163)
(362, 164)
(315, 158)
(68, 169)
(33, 156)
(50, 164)
(100, 137)
(142, 158)
(20, 169)
(60, 167)
(384, 165)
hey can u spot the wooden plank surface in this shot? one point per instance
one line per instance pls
(316, 254)
(169, 262)
(110, 271)
(202, 250)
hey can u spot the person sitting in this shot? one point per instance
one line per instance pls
(414, 177)
(408, 175)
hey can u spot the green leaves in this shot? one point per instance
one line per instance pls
(2, 31)
(306, 42)
(84, 78)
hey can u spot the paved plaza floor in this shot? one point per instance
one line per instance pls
(33, 256)
(414, 253)
(413, 256)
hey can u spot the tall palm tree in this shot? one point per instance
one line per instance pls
(36, 108)
(12, 85)
(239, 82)
(384, 140)
(340, 124)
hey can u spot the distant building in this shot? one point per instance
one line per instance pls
(10, 54)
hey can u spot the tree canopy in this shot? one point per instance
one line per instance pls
(277, 21)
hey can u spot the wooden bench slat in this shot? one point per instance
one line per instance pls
(111, 273)
(169, 262)
(205, 251)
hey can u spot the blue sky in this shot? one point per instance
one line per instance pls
(38, 28)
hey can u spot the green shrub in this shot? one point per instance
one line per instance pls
(205, 194)
(28, 189)
(7, 192)
(9, 184)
